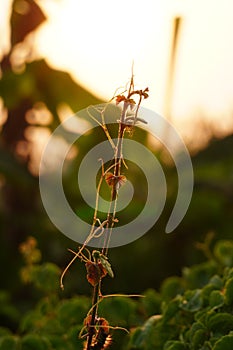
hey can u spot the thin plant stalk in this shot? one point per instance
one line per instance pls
(97, 263)
(111, 216)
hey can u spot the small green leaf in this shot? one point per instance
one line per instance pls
(171, 287)
(199, 275)
(229, 292)
(151, 302)
(197, 335)
(142, 337)
(170, 309)
(225, 343)
(137, 339)
(104, 261)
(223, 251)
(199, 338)
(192, 301)
(106, 264)
(220, 323)
(216, 281)
(206, 291)
(216, 299)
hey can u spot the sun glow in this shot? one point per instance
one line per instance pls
(97, 41)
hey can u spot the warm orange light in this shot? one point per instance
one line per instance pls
(97, 42)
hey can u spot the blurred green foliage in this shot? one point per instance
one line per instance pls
(200, 315)
(187, 313)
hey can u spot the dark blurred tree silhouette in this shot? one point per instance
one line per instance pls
(26, 82)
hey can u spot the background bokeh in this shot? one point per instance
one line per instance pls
(34, 99)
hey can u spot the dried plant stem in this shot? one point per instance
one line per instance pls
(110, 220)
(97, 264)
(118, 157)
(111, 216)
(91, 330)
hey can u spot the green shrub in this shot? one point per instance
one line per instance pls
(191, 312)
(197, 309)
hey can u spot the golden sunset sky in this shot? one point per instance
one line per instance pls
(97, 41)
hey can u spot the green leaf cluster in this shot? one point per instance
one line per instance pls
(196, 309)
(190, 312)
(52, 324)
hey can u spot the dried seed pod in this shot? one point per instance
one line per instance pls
(103, 339)
(93, 273)
(114, 180)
